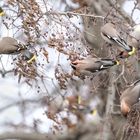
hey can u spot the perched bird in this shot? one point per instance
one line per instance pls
(11, 46)
(112, 36)
(129, 97)
(92, 65)
(1, 12)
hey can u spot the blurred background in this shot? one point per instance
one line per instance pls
(47, 100)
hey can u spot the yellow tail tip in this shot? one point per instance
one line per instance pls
(32, 59)
(94, 112)
(79, 100)
(2, 13)
(117, 62)
(132, 52)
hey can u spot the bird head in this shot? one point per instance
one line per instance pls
(110, 62)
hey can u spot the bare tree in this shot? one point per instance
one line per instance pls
(80, 107)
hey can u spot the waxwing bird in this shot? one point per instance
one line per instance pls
(129, 97)
(9, 45)
(112, 36)
(92, 65)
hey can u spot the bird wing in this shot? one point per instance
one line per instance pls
(118, 40)
(106, 63)
(10, 40)
(101, 65)
(112, 35)
(9, 45)
(93, 64)
(123, 43)
(135, 94)
(131, 95)
(94, 67)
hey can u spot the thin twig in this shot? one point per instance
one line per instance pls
(76, 14)
(121, 74)
(118, 8)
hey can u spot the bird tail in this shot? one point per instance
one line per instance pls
(136, 82)
(28, 56)
(122, 43)
(109, 62)
(33, 58)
